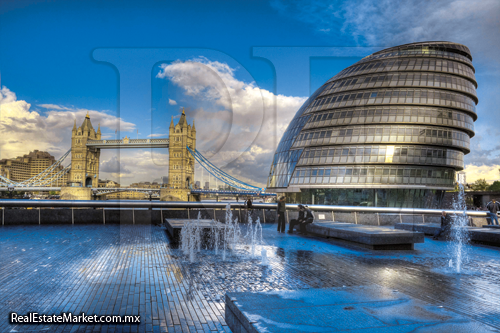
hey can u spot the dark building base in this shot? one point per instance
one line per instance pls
(403, 198)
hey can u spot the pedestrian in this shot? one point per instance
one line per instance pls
(445, 222)
(306, 216)
(281, 210)
(493, 207)
(249, 203)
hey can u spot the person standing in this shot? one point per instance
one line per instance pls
(493, 207)
(281, 210)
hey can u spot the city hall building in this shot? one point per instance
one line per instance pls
(389, 131)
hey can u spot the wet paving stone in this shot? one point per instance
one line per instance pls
(135, 270)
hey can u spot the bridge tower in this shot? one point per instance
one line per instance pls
(84, 160)
(181, 162)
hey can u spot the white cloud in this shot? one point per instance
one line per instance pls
(53, 107)
(393, 22)
(489, 172)
(135, 165)
(158, 135)
(239, 129)
(172, 102)
(23, 129)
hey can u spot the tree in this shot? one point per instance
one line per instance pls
(495, 186)
(480, 185)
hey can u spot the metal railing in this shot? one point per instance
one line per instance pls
(221, 205)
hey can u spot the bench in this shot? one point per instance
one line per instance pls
(174, 226)
(372, 237)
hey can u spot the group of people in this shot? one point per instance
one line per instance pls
(305, 217)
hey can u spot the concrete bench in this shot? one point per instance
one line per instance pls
(426, 228)
(489, 235)
(492, 226)
(352, 309)
(372, 237)
(174, 226)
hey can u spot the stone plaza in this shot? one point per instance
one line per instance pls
(137, 270)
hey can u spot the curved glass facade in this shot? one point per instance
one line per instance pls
(396, 124)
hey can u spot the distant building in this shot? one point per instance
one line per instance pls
(130, 195)
(25, 167)
(108, 183)
(207, 186)
(197, 184)
(145, 185)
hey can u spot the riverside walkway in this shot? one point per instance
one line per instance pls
(134, 270)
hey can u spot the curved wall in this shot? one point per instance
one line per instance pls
(401, 118)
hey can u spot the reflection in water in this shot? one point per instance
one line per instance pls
(308, 262)
(280, 252)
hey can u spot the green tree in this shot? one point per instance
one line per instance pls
(480, 185)
(495, 186)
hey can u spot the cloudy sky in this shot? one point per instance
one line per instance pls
(241, 69)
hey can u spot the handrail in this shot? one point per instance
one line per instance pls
(222, 205)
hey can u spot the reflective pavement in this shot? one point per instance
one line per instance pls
(131, 270)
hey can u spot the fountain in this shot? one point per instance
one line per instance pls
(263, 253)
(227, 237)
(459, 233)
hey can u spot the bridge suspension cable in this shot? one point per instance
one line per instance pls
(54, 178)
(221, 175)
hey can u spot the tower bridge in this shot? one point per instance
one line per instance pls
(128, 143)
(83, 171)
(86, 145)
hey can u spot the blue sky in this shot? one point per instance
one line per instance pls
(60, 59)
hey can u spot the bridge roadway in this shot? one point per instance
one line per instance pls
(129, 143)
(55, 188)
(239, 193)
(104, 190)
